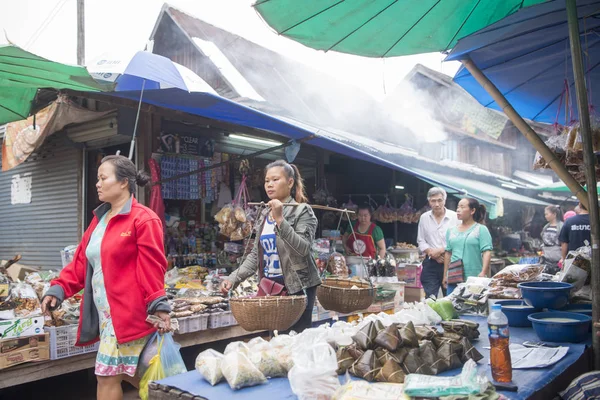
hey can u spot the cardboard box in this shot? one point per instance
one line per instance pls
(18, 271)
(25, 349)
(21, 327)
(412, 275)
(412, 295)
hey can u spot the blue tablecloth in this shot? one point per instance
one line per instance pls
(529, 381)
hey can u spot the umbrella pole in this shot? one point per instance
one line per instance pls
(137, 118)
(589, 160)
(527, 131)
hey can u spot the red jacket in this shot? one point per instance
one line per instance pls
(134, 266)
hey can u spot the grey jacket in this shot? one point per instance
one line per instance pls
(294, 240)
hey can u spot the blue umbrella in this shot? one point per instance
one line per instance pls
(145, 71)
(527, 56)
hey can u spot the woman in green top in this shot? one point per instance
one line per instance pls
(470, 242)
(367, 240)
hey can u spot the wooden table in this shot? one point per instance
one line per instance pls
(30, 372)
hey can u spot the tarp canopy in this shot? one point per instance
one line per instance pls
(494, 195)
(354, 146)
(527, 55)
(21, 75)
(558, 187)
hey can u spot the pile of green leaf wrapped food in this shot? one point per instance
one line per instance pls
(456, 329)
(388, 354)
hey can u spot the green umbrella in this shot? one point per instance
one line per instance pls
(383, 28)
(21, 75)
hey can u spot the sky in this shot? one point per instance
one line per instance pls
(49, 28)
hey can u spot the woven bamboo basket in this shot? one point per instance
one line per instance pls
(267, 313)
(337, 295)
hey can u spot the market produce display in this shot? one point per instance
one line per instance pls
(405, 214)
(504, 284)
(234, 223)
(568, 148)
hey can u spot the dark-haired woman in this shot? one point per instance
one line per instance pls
(367, 240)
(470, 242)
(550, 232)
(283, 244)
(121, 264)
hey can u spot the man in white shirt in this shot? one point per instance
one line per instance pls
(431, 239)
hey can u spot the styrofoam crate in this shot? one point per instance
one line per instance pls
(194, 323)
(62, 342)
(227, 319)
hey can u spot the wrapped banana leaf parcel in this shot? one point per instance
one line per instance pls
(344, 359)
(409, 335)
(366, 367)
(398, 356)
(389, 338)
(469, 351)
(414, 364)
(391, 372)
(464, 328)
(366, 336)
(449, 356)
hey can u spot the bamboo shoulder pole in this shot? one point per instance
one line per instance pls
(527, 131)
(590, 165)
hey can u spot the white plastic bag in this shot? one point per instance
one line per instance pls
(237, 347)
(26, 300)
(240, 372)
(208, 363)
(313, 375)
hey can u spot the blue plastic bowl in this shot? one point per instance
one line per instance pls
(517, 316)
(579, 309)
(553, 295)
(574, 331)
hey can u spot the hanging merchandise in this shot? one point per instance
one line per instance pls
(385, 213)
(350, 206)
(201, 186)
(233, 219)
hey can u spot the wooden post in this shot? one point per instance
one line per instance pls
(589, 160)
(80, 32)
(527, 131)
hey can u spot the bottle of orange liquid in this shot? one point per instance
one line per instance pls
(499, 342)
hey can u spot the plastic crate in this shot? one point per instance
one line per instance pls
(194, 323)
(62, 342)
(221, 320)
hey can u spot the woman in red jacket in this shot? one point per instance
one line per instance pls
(120, 263)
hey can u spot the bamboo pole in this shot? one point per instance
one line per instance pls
(315, 206)
(590, 165)
(527, 131)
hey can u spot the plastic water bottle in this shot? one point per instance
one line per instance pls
(499, 342)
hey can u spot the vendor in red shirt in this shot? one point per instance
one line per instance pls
(367, 239)
(121, 264)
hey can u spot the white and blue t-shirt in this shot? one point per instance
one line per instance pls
(272, 268)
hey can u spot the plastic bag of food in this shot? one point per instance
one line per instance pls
(224, 215)
(208, 364)
(465, 384)
(520, 272)
(336, 265)
(237, 347)
(239, 213)
(284, 357)
(27, 303)
(444, 308)
(240, 372)
(314, 373)
(268, 363)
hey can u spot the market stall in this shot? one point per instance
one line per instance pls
(532, 383)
